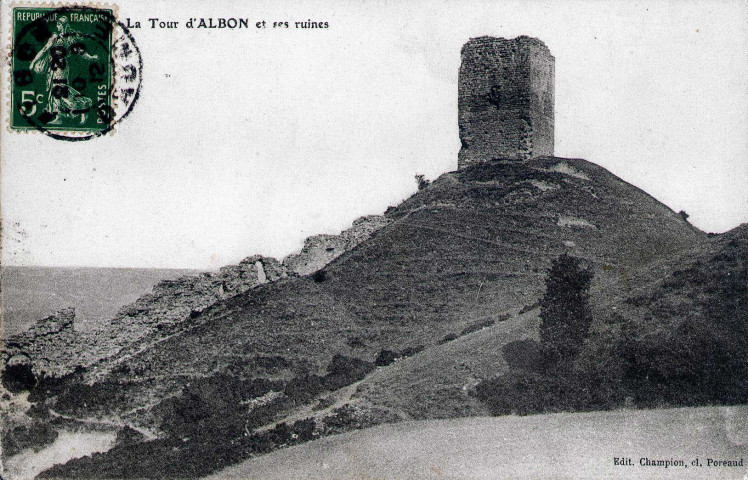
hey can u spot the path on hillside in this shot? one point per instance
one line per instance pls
(103, 422)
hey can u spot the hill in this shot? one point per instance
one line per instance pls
(675, 340)
(454, 274)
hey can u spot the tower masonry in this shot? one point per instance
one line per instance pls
(505, 99)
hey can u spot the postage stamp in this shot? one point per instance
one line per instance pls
(75, 71)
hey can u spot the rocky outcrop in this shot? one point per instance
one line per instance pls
(49, 341)
(320, 250)
(55, 348)
(173, 301)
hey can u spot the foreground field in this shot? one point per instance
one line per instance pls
(566, 445)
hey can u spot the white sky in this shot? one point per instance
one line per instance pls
(248, 141)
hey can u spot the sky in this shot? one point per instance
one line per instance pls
(248, 141)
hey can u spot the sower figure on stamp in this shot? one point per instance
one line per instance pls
(62, 99)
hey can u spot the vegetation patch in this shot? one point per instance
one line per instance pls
(681, 345)
(477, 326)
(34, 436)
(448, 338)
(18, 376)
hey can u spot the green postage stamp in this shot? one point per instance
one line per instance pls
(75, 71)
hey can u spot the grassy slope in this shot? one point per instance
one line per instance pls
(437, 382)
(555, 446)
(472, 247)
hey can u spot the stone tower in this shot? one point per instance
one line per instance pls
(505, 99)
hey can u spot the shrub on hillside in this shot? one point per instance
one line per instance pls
(525, 392)
(474, 327)
(385, 357)
(18, 378)
(101, 396)
(356, 342)
(520, 393)
(344, 370)
(523, 355)
(341, 420)
(319, 276)
(422, 182)
(35, 436)
(304, 430)
(695, 363)
(214, 404)
(410, 351)
(281, 434)
(693, 349)
(564, 310)
(128, 436)
(303, 388)
(448, 338)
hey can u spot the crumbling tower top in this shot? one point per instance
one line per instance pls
(505, 99)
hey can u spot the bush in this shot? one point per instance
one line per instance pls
(344, 370)
(513, 394)
(356, 342)
(19, 377)
(128, 436)
(281, 434)
(348, 366)
(524, 393)
(693, 350)
(693, 364)
(214, 404)
(304, 388)
(422, 182)
(385, 357)
(343, 419)
(410, 351)
(523, 355)
(474, 327)
(319, 276)
(564, 310)
(304, 429)
(448, 338)
(35, 436)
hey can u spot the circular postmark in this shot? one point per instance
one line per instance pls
(76, 71)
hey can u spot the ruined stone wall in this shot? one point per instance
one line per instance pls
(55, 348)
(173, 301)
(320, 250)
(505, 99)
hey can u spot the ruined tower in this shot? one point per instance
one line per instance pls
(505, 99)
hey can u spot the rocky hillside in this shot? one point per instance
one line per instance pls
(55, 347)
(475, 245)
(453, 273)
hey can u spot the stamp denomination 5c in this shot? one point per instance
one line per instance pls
(75, 71)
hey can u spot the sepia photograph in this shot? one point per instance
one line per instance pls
(349, 239)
